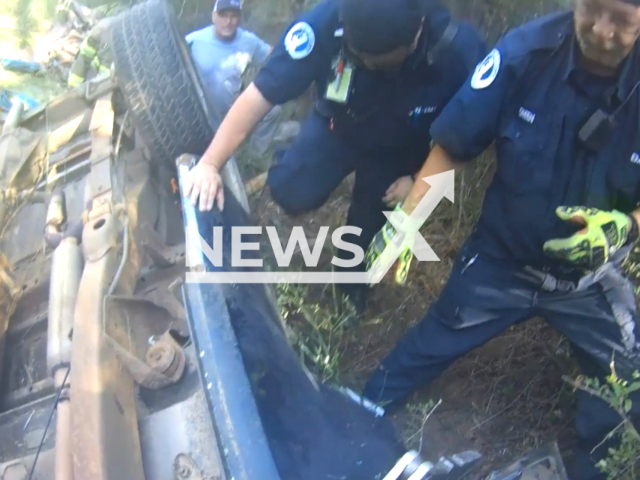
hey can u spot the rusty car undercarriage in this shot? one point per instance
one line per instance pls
(112, 367)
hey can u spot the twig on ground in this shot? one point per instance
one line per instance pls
(425, 418)
(425, 421)
(508, 406)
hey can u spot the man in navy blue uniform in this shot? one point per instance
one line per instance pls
(383, 71)
(559, 97)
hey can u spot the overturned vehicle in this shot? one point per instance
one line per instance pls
(112, 366)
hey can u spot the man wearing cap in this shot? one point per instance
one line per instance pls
(222, 53)
(560, 97)
(383, 71)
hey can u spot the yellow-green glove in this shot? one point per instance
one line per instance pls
(385, 237)
(603, 234)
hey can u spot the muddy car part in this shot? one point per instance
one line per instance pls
(542, 464)
(13, 117)
(78, 162)
(148, 350)
(66, 271)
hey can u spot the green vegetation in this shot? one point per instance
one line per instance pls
(22, 23)
(29, 16)
(318, 329)
(622, 462)
(25, 22)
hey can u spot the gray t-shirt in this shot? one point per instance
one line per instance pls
(222, 64)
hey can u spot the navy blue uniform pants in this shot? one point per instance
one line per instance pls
(483, 297)
(319, 160)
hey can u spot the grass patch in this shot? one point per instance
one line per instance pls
(41, 88)
(318, 327)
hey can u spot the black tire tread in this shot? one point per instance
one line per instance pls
(164, 99)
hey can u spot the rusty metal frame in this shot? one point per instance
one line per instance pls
(103, 413)
(104, 423)
(117, 331)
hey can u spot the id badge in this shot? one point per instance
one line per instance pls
(338, 89)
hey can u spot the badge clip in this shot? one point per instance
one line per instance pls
(340, 86)
(597, 130)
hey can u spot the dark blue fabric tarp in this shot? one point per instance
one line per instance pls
(7, 97)
(20, 66)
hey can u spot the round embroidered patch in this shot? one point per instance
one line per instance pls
(487, 71)
(300, 40)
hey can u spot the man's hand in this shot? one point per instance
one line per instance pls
(204, 180)
(591, 247)
(386, 236)
(398, 191)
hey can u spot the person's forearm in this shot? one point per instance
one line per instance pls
(245, 113)
(439, 161)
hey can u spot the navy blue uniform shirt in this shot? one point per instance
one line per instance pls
(532, 98)
(388, 113)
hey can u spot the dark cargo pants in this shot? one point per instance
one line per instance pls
(484, 297)
(315, 165)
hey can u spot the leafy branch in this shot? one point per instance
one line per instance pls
(620, 464)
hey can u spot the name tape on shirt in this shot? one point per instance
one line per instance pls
(486, 71)
(300, 40)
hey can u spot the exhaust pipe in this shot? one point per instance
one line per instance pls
(57, 219)
(66, 271)
(14, 116)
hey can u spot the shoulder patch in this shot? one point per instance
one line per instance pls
(486, 71)
(300, 40)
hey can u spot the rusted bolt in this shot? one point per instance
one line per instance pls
(184, 471)
(156, 355)
(166, 357)
(160, 356)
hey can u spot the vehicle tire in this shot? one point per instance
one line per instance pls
(162, 89)
(159, 82)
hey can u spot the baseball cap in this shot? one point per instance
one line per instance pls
(381, 26)
(227, 5)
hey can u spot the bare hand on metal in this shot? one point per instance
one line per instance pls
(204, 181)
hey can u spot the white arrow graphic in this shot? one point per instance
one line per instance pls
(442, 185)
(407, 228)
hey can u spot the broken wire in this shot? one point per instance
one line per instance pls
(46, 429)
